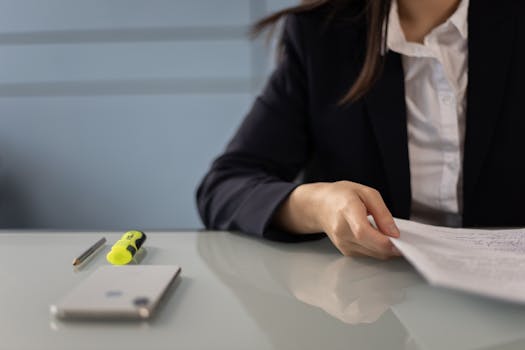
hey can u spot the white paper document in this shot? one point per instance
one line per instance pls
(485, 262)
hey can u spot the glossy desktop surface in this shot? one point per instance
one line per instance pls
(238, 292)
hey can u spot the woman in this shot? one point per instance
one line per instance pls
(407, 108)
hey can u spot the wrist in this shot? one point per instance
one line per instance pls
(301, 211)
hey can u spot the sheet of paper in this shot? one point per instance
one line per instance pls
(485, 262)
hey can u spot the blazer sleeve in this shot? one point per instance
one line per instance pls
(249, 181)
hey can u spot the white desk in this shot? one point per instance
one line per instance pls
(242, 293)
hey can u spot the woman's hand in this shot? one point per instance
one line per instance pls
(340, 209)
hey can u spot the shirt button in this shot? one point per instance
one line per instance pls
(447, 99)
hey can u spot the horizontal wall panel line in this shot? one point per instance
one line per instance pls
(131, 87)
(126, 35)
(210, 59)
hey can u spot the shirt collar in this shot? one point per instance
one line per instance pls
(460, 18)
(396, 37)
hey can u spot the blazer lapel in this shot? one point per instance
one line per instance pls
(490, 38)
(386, 107)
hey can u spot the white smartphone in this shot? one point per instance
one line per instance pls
(117, 292)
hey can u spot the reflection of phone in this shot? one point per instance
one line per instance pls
(118, 292)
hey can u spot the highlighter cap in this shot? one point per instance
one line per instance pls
(119, 256)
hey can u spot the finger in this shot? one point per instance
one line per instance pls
(363, 232)
(377, 207)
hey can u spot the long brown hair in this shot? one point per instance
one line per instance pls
(376, 18)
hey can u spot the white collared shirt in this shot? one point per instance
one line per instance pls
(435, 95)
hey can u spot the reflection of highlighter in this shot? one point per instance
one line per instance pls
(125, 248)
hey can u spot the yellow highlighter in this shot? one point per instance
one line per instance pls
(125, 248)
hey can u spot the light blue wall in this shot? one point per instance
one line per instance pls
(112, 110)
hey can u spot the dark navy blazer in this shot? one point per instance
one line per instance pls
(297, 129)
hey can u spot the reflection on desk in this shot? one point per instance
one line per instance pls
(351, 290)
(360, 291)
(261, 274)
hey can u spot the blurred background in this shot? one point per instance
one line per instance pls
(112, 110)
